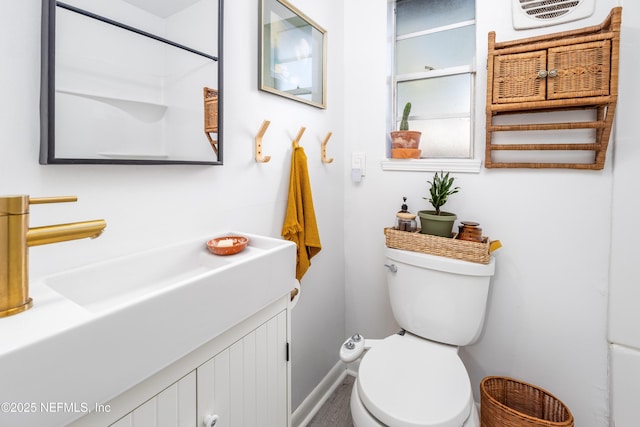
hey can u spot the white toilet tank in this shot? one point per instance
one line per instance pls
(441, 299)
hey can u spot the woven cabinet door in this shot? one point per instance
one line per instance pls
(515, 77)
(583, 70)
(210, 110)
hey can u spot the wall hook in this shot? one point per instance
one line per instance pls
(300, 132)
(261, 132)
(324, 149)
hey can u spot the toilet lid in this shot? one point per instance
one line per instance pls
(406, 381)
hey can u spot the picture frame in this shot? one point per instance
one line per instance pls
(293, 51)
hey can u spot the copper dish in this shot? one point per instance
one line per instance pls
(227, 245)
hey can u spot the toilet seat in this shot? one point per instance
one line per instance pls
(407, 381)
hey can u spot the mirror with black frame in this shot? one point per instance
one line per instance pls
(131, 82)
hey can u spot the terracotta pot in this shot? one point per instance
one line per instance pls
(405, 139)
(405, 153)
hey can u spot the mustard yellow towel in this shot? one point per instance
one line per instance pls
(300, 224)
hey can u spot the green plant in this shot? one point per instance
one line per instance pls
(441, 188)
(404, 123)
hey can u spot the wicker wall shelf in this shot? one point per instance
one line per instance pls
(573, 70)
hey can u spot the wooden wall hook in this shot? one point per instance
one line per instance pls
(261, 132)
(300, 132)
(324, 149)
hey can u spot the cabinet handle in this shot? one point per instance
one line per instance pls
(553, 73)
(542, 74)
(210, 420)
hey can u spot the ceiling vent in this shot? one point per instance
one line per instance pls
(542, 13)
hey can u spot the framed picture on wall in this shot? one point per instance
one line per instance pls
(293, 51)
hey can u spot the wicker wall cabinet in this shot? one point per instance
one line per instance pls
(573, 70)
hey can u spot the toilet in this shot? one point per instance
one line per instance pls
(415, 378)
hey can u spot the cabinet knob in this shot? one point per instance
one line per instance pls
(553, 73)
(210, 420)
(542, 74)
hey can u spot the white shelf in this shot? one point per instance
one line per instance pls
(432, 165)
(150, 110)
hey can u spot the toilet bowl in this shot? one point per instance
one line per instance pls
(408, 381)
(362, 418)
(416, 378)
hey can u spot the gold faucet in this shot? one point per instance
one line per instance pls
(15, 239)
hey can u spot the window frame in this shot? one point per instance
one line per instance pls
(472, 164)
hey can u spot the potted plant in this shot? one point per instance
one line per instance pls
(405, 142)
(438, 222)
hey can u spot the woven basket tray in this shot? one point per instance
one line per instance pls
(451, 248)
(505, 402)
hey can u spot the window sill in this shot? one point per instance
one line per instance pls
(432, 165)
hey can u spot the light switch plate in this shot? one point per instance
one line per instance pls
(359, 161)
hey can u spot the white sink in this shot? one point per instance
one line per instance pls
(126, 280)
(98, 330)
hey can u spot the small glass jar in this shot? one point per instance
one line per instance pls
(406, 221)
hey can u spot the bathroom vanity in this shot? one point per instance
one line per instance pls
(175, 333)
(239, 378)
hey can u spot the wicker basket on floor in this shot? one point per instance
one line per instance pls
(442, 246)
(505, 402)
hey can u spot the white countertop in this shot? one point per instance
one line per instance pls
(60, 354)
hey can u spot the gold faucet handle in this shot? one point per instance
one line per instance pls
(19, 204)
(58, 199)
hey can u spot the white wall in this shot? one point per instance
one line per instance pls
(546, 320)
(146, 206)
(624, 322)
(624, 316)
(547, 314)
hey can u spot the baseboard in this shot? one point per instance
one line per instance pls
(314, 401)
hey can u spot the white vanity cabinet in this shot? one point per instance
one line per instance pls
(246, 384)
(242, 377)
(174, 406)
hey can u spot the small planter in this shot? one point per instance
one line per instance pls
(405, 139)
(405, 143)
(437, 225)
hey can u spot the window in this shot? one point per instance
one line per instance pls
(434, 69)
